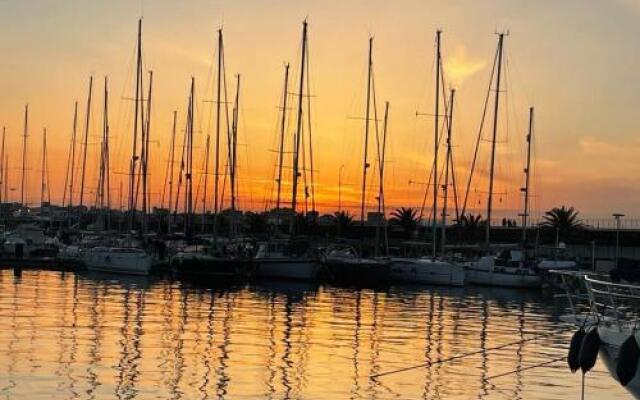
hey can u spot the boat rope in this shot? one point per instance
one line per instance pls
(464, 355)
(517, 370)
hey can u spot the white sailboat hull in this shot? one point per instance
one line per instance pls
(122, 262)
(512, 279)
(427, 271)
(288, 268)
(612, 338)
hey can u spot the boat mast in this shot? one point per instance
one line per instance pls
(24, 155)
(298, 137)
(283, 125)
(233, 145)
(105, 185)
(138, 117)
(145, 158)
(493, 143)
(449, 165)
(86, 142)
(72, 163)
(43, 185)
(171, 169)
(365, 164)
(381, 158)
(216, 172)
(189, 164)
(436, 145)
(233, 159)
(206, 177)
(527, 174)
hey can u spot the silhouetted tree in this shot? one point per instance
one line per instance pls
(342, 221)
(406, 218)
(564, 220)
(470, 227)
(256, 223)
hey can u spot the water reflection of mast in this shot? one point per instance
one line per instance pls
(374, 341)
(517, 392)
(74, 337)
(121, 384)
(356, 347)
(14, 339)
(221, 371)
(94, 326)
(303, 345)
(206, 357)
(286, 356)
(272, 348)
(484, 364)
(439, 341)
(428, 345)
(134, 373)
(178, 365)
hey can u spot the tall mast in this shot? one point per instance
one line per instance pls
(436, 145)
(6, 178)
(206, 178)
(138, 121)
(105, 184)
(43, 186)
(171, 167)
(283, 126)
(216, 173)
(298, 137)
(381, 158)
(527, 174)
(233, 145)
(72, 164)
(86, 141)
(24, 155)
(493, 143)
(145, 158)
(365, 164)
(189, 163)
(449, 166)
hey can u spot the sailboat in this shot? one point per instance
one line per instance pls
(344, 264)
(433, 270)
(510, 267)
(290, 257)
(204, 257)
(124, 256)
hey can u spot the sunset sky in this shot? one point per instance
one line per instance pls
(576, 61)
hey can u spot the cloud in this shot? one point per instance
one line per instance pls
(459, 65)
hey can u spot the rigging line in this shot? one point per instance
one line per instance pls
(477, 147)
(313, 190)
(471, 353)
(426, 192)
(517, 370)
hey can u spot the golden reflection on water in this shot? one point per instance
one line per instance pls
(88, 336)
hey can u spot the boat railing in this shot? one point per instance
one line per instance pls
(603, 300)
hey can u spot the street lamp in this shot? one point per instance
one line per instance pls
(617, 216)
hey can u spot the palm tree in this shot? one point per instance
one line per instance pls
(406, 218)
(256, 223)
(470, 226)
(342, 220)
(564, 220)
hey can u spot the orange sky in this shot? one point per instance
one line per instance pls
(573, 61)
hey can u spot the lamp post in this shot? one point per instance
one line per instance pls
(617, 216)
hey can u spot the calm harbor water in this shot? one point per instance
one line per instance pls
(71, 335)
